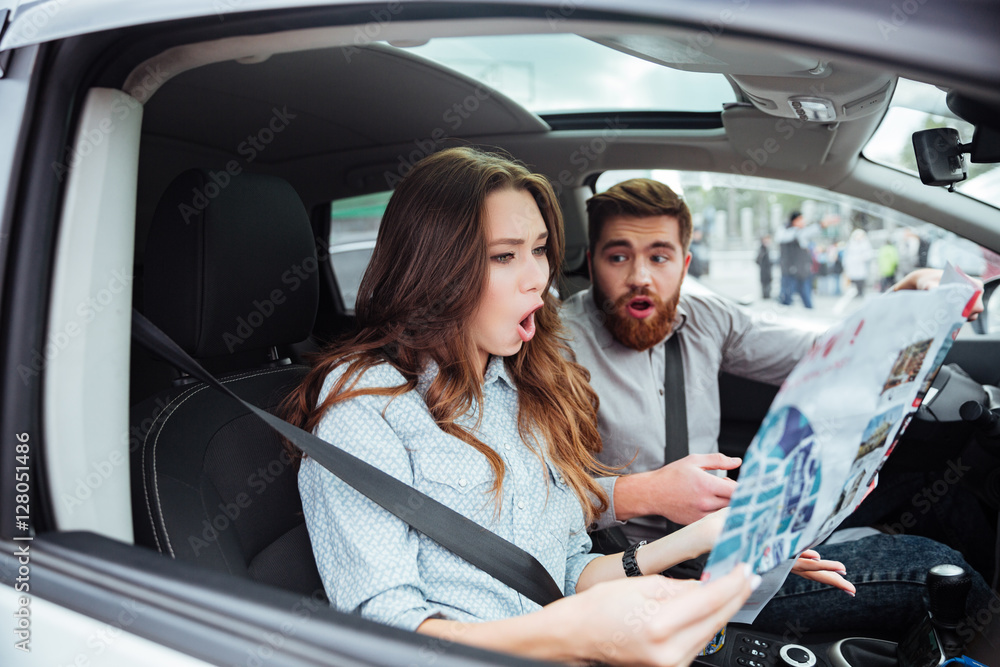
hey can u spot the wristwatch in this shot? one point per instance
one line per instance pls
(628, 560)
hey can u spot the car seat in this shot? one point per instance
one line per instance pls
(231, 275)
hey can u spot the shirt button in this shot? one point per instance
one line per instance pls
(661, 392)
(520, 505)
(462, 482)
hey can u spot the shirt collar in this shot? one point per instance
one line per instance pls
(495, 368)
(603, 335)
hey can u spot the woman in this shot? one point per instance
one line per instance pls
(457, 382)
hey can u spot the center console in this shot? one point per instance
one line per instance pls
(931, 643)
(746, 647)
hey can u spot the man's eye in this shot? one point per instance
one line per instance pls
(616, 259)
(505, 258)
(660, 259)
(540, 251)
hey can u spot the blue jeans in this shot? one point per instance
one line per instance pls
(791, 285)
(889, 572)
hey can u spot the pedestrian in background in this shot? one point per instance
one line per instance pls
(796, 259)
(766, 266)
(857, 260)
(888, 262)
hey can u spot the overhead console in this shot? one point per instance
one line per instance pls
(779, 83)
(827, 95)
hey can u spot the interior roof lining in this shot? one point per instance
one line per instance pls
(148, 76)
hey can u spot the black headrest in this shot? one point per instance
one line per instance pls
(230, 263)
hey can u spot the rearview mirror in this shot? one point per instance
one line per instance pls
(939, 156)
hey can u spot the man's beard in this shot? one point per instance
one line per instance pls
(638, 334)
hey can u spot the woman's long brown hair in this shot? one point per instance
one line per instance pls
(427, 275)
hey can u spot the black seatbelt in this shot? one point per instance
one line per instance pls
(674, 401)
(676, 446)
(505, 561)
(613, 539)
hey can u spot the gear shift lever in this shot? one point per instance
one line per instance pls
(948, 587)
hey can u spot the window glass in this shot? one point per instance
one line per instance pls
(559, 73)
(856, 249)
(918, 106)
(353, 229)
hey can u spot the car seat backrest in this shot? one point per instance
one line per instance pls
(228, 269)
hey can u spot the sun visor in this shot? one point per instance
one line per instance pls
(776, 143)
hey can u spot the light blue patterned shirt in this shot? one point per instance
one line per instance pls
(375, 565)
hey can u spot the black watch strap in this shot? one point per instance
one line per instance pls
(629, 562)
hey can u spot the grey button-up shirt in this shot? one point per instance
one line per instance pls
(715, 335)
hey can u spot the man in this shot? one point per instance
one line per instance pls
(796, 260)
(639, 235)
(699, 255)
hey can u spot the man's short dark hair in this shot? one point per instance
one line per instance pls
(637, 198)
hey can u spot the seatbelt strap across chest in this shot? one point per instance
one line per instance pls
(674, 401)
(483, 548)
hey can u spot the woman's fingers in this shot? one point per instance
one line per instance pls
(809, 564)
(828, 572)
(698, 614)
(832, 579)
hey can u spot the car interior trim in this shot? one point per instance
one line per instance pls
(90, 321)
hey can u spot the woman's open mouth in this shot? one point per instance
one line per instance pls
(526, 327)
(640, 307)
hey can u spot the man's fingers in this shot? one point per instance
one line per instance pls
(720, 487)
(977, 307)
(715, 461)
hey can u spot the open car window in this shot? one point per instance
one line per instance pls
(919, 106)
(732, 213)
(568, 73)
(354, 225)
